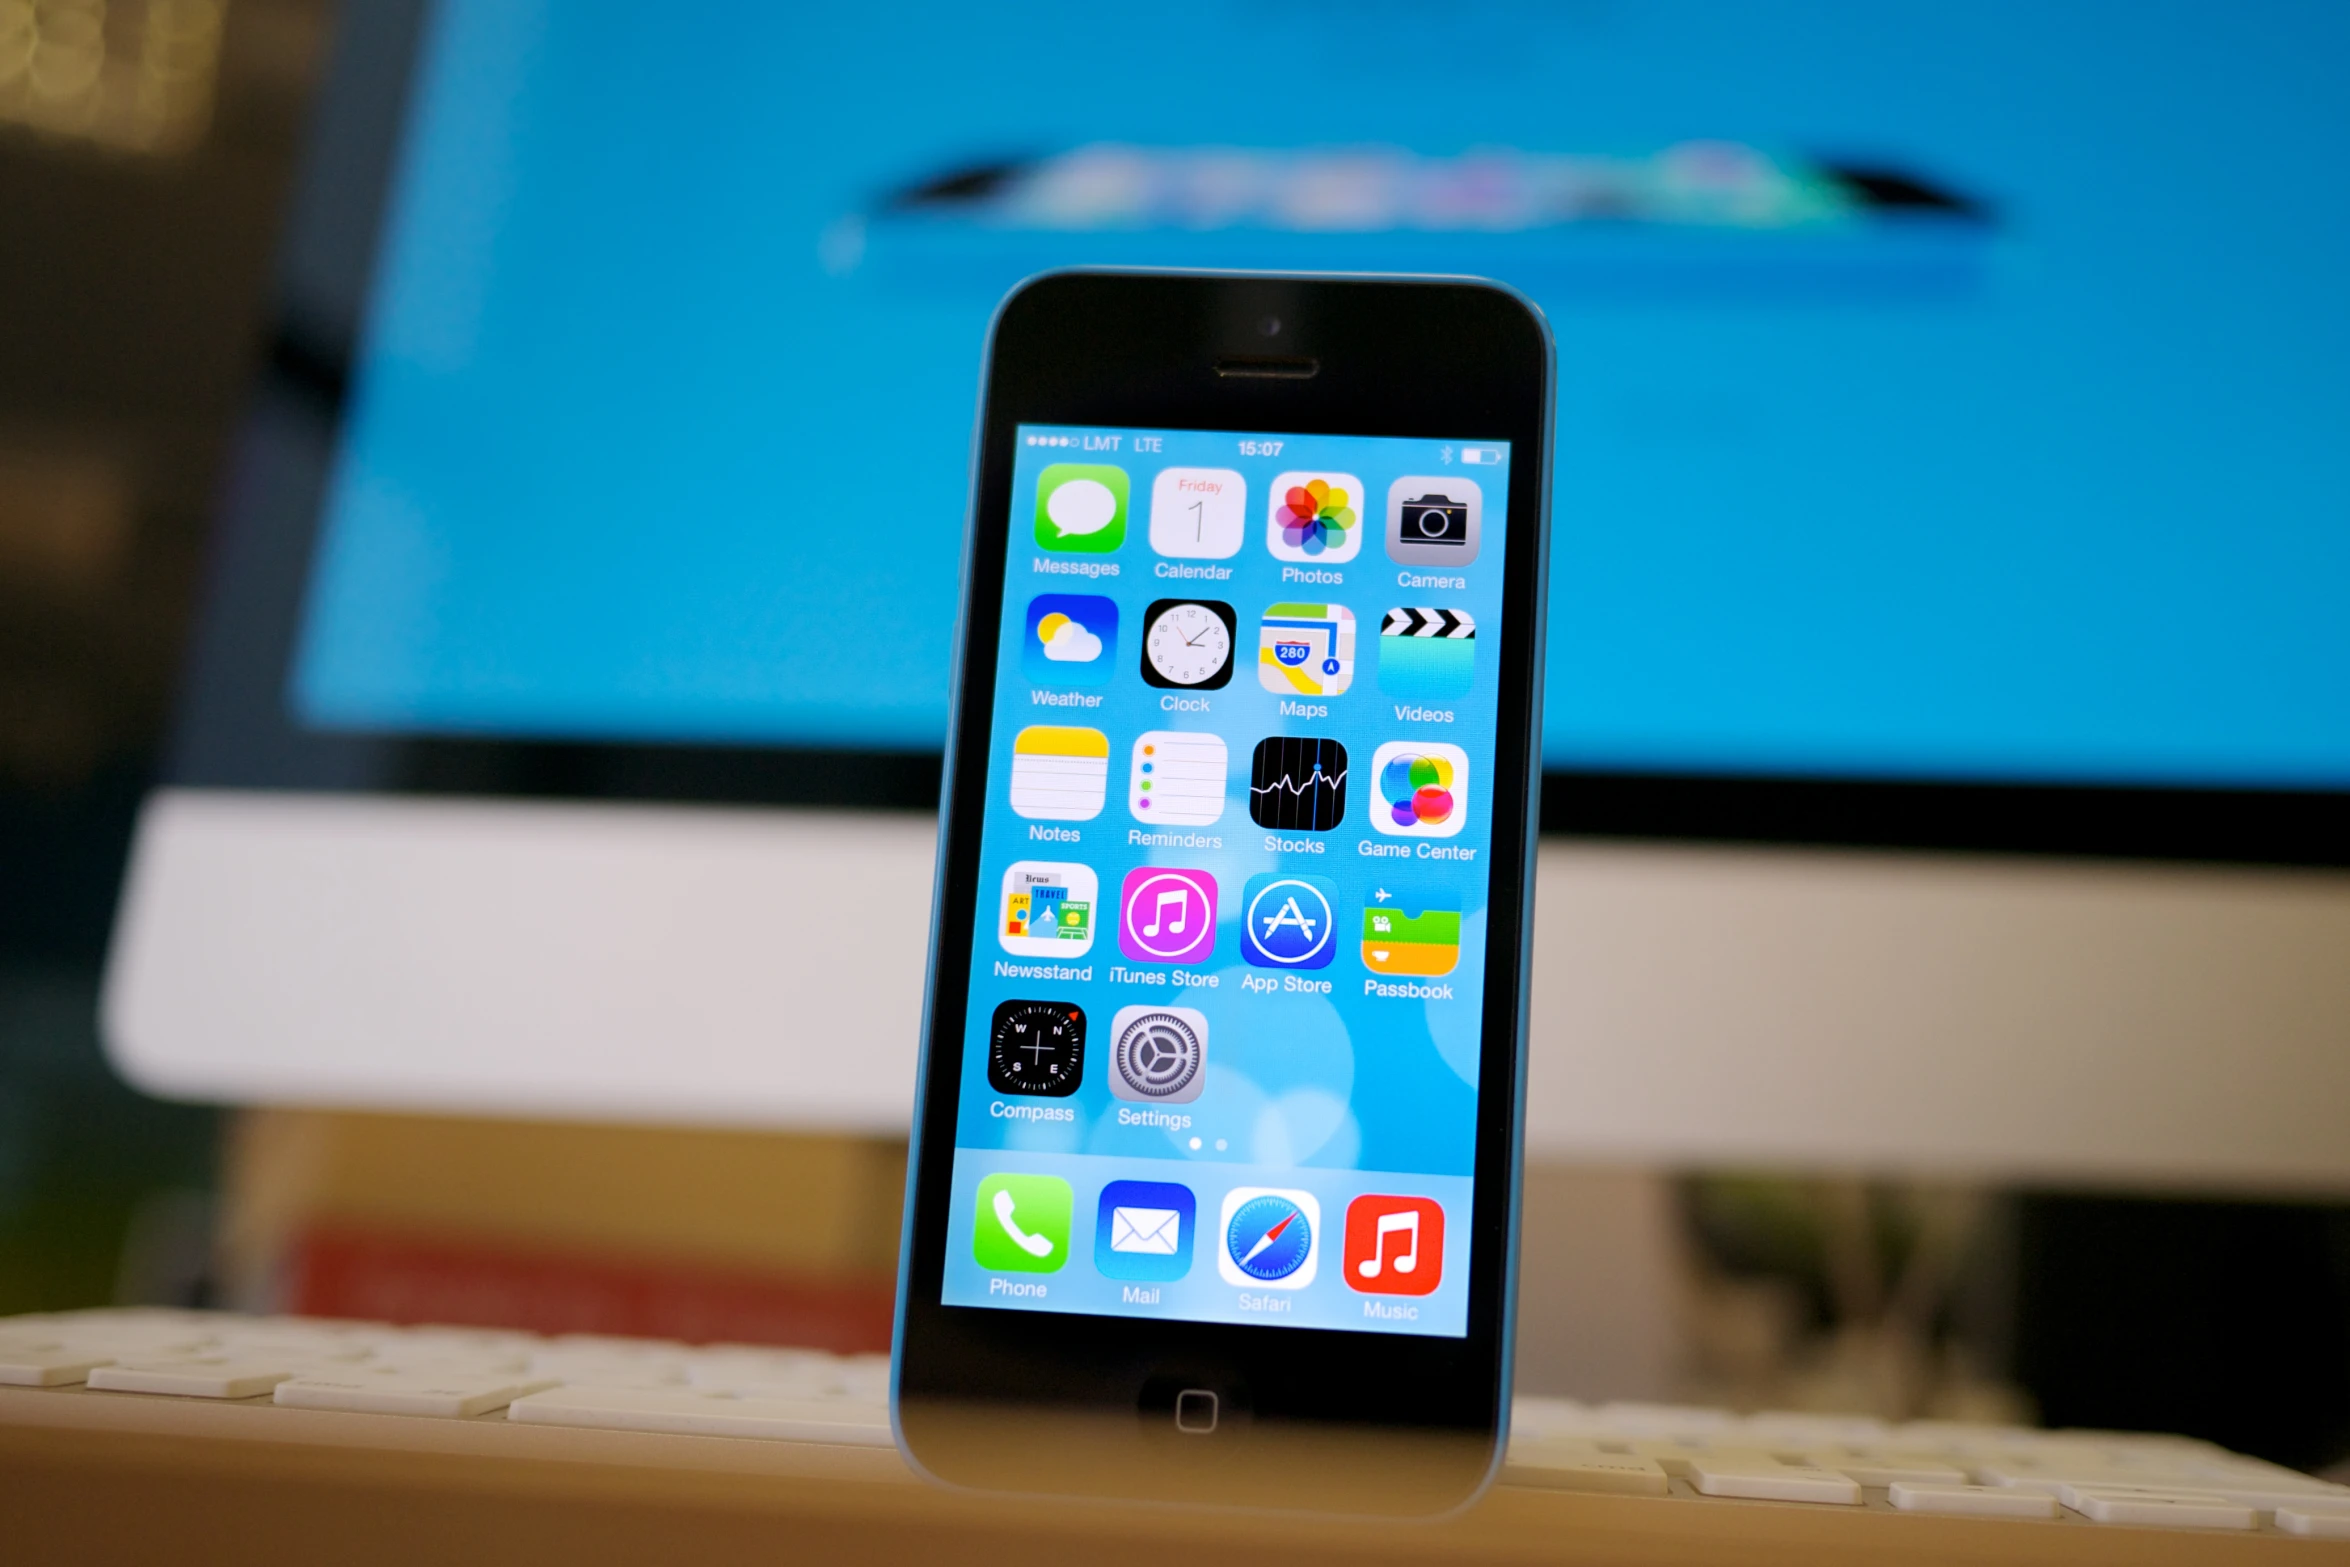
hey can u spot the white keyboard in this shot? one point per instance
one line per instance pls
(119, 1370)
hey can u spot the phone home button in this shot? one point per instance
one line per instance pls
(1195, 1411)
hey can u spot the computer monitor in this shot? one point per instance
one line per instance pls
(1947, 739)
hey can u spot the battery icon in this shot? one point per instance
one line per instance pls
(1489, 456)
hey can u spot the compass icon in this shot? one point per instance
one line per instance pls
(1271, 1237)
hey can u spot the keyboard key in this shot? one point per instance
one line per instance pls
(1554, 1417)
(391, 1391)
(1878, 1467)
(1675, 1458)
(1977, 1501)
(1759, 1478)
(600, 1365)
(697, 1412)
(48, 1363)
(2163, 1509)
(1666, 1420)
(2314, 1524)
(197, 1376)
(1572, 1464)
(2052, 1475)
(1775, 1428)
(2262, 1495)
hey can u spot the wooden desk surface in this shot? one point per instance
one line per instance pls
(101, 1477)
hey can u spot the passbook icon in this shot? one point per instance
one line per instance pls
(1143, 1231)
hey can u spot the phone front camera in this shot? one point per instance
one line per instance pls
(1270, 326)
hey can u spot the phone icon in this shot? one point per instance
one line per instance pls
(1047, 909)
(1434, 521)
(1306, 649)
(1071, 639)
(1081, 508)
(1022, 1224)
(1271, 1237)
(1200, 513)
(1142, 1231)
(1423, 789)
(1315, 517)
(1394, 1245)
(1286, 921)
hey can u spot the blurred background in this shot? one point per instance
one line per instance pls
(149, 159)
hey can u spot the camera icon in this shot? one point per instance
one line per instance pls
(1433, 521)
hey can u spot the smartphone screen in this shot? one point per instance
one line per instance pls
(1227, 978)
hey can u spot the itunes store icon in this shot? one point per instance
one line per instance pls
(1167, 916)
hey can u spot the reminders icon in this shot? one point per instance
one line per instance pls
(1177, 778)
(1060, 774)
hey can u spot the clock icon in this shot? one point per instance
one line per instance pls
(1036, 1047)
(1187, 643)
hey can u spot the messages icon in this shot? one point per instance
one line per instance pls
(1081, 508)
(1142, 1232)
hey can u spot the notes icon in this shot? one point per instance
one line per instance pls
(1060, 774)
(1394, 1245)
(1177, 778)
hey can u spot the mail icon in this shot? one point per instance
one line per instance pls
(1155, 1232)
(1143, 1235)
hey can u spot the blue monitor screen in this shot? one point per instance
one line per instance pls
(1959, 394)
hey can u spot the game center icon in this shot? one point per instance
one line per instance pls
(1422, 787)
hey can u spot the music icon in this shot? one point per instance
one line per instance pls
(1167, 915)
(1394, 1245)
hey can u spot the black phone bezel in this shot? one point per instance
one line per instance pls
(1392, 357)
